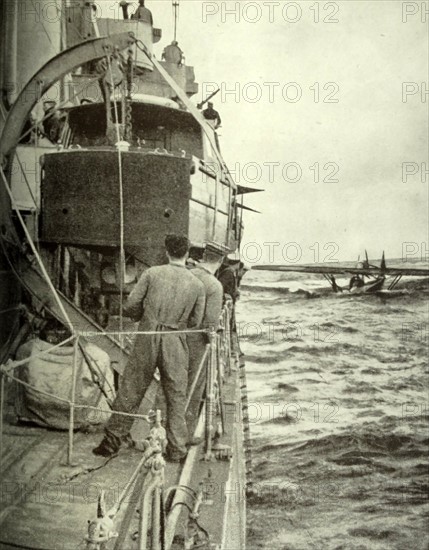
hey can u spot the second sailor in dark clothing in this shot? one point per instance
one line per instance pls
(166, 298)
(228, 278)
(197, 342)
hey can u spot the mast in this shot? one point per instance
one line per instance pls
(176, 7)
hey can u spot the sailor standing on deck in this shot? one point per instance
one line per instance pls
(166, 298)
(197, 342)
(229, 278)
(212, 116)
(142, 13)
(173, 54)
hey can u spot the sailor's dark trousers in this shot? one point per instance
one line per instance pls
(168, 352)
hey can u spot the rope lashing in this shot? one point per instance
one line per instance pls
(102, 529)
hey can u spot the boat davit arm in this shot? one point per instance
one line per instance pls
(56, 68)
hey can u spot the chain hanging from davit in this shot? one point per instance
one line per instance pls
(118, 73)
(129, 68)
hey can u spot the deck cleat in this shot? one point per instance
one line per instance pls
(222, 452)
(100, 530)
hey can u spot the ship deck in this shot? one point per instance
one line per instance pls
(46, 504)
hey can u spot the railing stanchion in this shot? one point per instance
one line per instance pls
(72, 399)
(228, 337)
(198, 375)
(246, 424)
(156, 519)
(2, 408)
(210, 397)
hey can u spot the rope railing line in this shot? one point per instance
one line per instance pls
(210, 355)
(152, 497)
(141, 333)
(9, 310)
(99, 409)
(111, 411)
(8, 367)
(31, 387)
(75, 405)
(14, 364)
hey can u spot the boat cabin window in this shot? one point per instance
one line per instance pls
(88, 125)
(153, 126)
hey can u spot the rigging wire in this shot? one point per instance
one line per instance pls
(61, 105)
(121, 211)
(36, 254)
(85, 353)
(10, 310)
(41, 21)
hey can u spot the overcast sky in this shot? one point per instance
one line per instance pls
(326, 95)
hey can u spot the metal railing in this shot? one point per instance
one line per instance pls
(217, 363)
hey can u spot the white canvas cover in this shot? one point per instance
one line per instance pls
(52, 373)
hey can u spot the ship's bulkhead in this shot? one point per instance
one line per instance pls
(167, 188)
(65, 175)
(81, 199)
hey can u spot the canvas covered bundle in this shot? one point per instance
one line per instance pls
(52, 373)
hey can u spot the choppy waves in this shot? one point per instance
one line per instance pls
(338, 404)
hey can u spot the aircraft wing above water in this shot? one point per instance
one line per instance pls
(338, 269)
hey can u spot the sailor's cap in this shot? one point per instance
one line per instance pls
(216, 248)
(233, 258)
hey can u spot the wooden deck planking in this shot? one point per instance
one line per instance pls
(45, 497)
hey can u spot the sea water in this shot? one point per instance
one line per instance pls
(338, 406)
